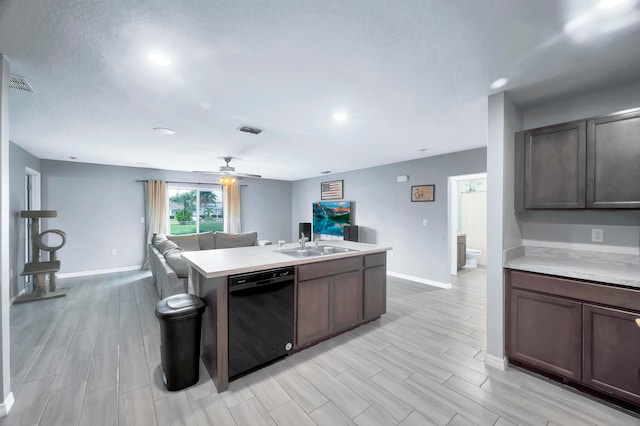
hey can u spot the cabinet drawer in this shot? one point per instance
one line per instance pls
(328, 268)
(377, 259)
(566, 287)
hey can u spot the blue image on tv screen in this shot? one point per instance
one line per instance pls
(329, 217)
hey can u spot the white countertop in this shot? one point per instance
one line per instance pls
(606, 268)
(223, 262)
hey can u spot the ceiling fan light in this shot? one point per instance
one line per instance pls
(227, 180)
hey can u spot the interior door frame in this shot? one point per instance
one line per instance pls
(453, 208)
(32, 201)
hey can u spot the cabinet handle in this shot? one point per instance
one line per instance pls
(638, 322)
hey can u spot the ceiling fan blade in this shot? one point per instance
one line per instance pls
(248, 175)
(203, 172)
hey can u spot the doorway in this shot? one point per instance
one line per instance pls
(467, 215)
(31, 202)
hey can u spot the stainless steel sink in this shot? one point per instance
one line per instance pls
(333, 249)
(315, 251)
(301, 252)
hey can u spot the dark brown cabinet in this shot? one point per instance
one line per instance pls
(546, 332)
(346, 301)
(375, 292)
(555, 167)
(613, 159)
(462, 251)
(313, 310)
(590, 163)
(336, 295)
(581, 331)
(612, 351)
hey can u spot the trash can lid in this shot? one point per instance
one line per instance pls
(179, 306)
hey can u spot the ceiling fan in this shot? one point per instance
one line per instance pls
(228, 174)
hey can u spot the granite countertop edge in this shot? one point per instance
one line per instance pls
(624, 274)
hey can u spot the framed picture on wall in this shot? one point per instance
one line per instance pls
(423, 193)
(332, 190)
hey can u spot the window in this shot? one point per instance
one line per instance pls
(194, 210)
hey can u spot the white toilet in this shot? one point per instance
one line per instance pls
(472, 258)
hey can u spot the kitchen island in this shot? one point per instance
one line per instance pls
(333, 292)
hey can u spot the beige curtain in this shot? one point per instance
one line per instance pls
(155, 195)
(231, 207)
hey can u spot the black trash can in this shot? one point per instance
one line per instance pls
(180, 324)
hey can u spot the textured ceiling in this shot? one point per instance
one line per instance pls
(412, 74)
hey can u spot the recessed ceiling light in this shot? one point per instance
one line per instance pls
(608, 4)
(164, 130)
(326, 172)
(498, 83)
(73, 158)
(159, 59)
(340, 116)
(423, 149)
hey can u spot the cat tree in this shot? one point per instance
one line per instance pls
(37, 268)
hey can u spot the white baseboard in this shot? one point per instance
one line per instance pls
(6, 405)
(99, 271)
(419, 280)
(495, 362)
(20, 293)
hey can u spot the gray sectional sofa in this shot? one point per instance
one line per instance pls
(170, 270)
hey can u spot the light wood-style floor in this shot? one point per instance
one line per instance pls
(93, 358)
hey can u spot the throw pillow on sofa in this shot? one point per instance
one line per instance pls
(177, 263)
(224, 240)
(187, 242)
(207, 240)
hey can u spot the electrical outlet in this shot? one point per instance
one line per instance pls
(424, 222)
(142, 220)
(597, 235)
(114, 252)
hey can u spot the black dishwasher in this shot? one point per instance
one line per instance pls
(260, 318)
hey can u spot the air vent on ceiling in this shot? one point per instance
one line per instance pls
(252, 130)
(19, 83)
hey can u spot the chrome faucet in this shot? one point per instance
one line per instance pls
(303, 239)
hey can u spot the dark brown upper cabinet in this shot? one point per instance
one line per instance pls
(613, 161)
(592, 163)
(555, 167)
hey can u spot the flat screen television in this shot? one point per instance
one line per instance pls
(330, 217)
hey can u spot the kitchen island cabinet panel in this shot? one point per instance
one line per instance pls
(346, 301)
(546, 332)
(613, 155)
(329, 267)
(612, 351)
(313, 310)
(375, 292)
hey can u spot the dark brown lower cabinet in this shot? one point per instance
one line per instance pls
(581, 331)
(346, 300)
(612, 351)
(312, 306)
(375, 292)
(335, 295)
(546, 332)
(326, 306)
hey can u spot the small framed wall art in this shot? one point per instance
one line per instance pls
(332, 190)
(423, 193)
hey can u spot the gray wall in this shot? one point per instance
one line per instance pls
(100, 207)
(386, 215)
(503, 231)
(621, 228)
(18, 160)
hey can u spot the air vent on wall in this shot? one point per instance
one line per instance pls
(252, 130)
(19, 83)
